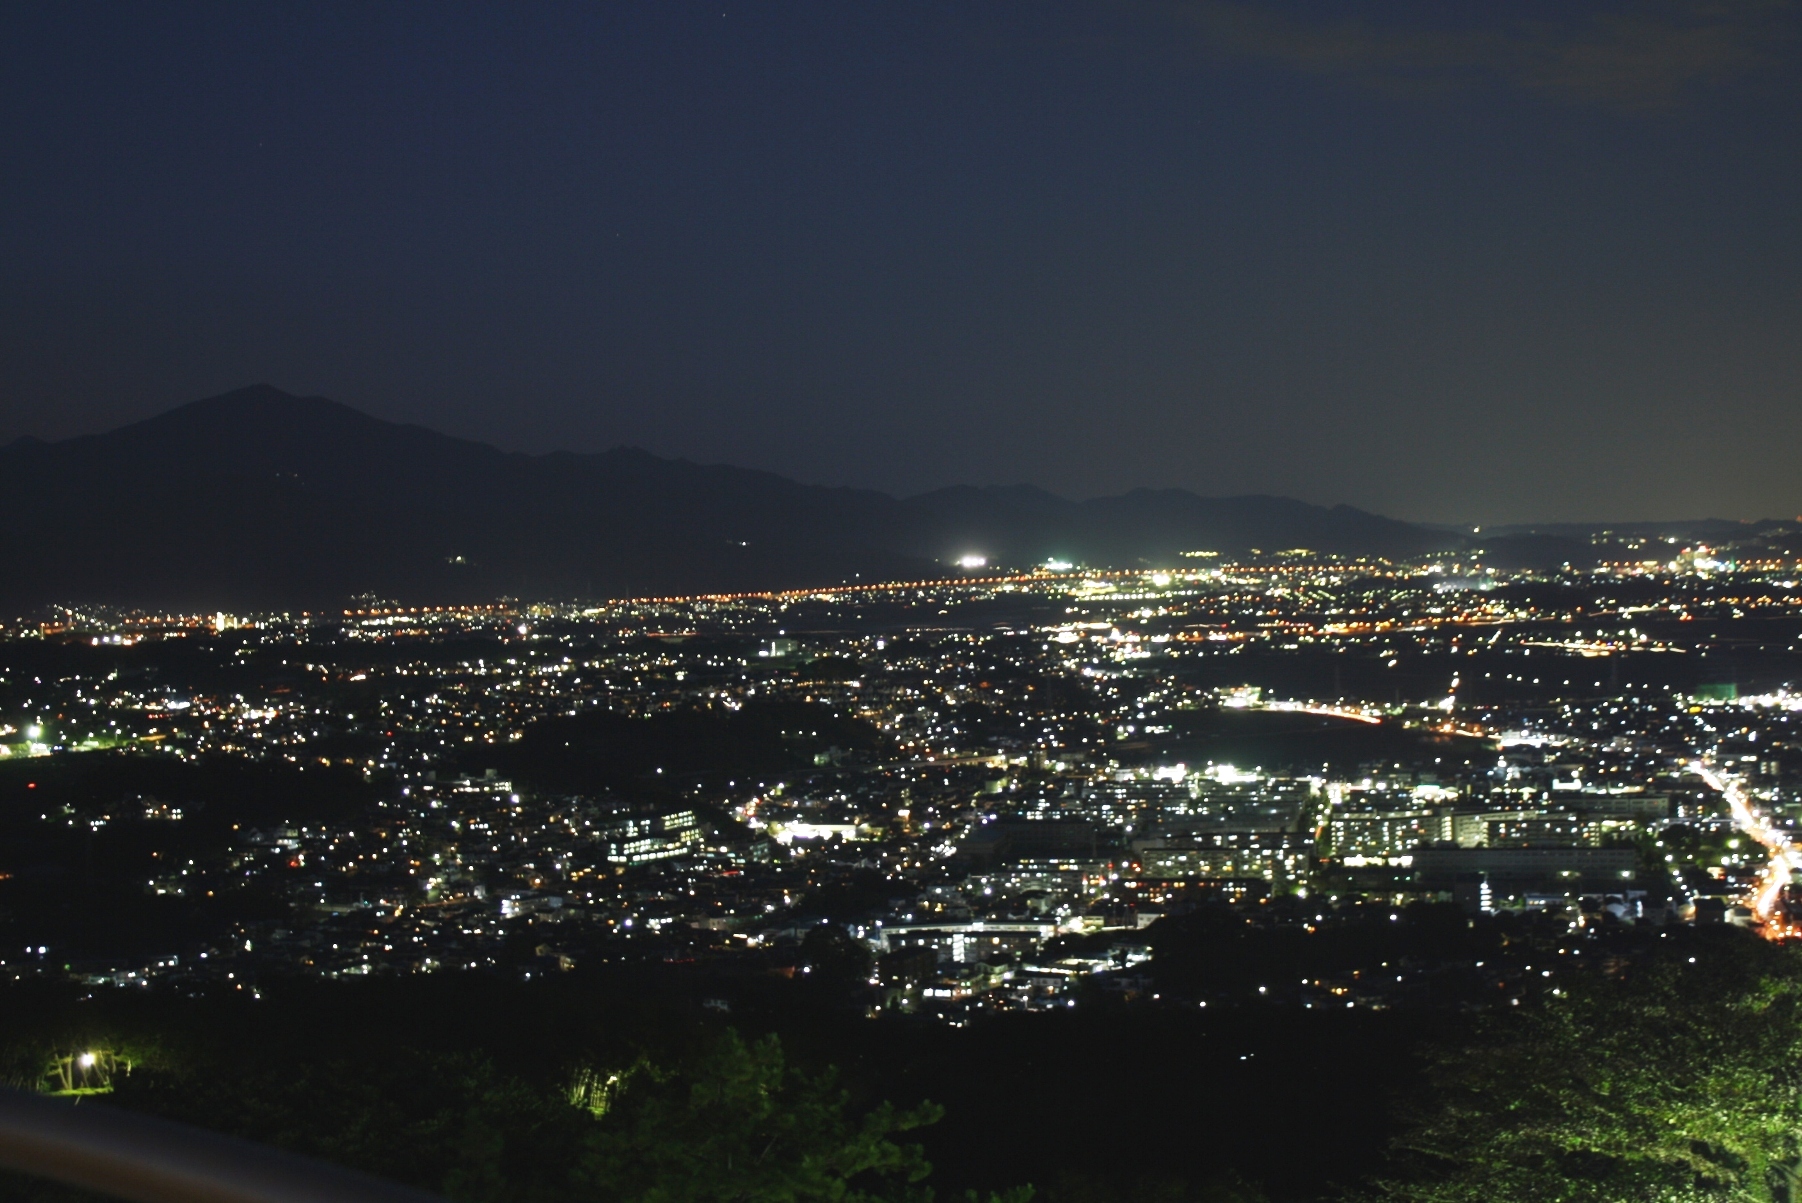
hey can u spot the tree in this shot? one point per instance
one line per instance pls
(449, 1122)
(739, 1125)
(1681, 1081)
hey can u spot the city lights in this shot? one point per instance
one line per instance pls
(1061, 764)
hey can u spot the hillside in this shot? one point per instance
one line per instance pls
(260, 499)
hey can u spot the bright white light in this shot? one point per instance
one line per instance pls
(32, 732)
(86, 1060)
(1160, 579)
(1058, 565)
(973, 562)
(1226, 774)
(523, 628)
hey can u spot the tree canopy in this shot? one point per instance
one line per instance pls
(738, 1124)
(1678, 1078)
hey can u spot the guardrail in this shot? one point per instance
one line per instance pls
(133, 1157)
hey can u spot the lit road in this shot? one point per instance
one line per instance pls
(1356, 715)
(1785, 857)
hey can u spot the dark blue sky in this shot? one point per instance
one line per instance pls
(1471, 262)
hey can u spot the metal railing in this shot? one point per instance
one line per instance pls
(133, 1157)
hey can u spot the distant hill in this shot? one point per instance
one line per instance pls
(1148, 527)
(259, 499)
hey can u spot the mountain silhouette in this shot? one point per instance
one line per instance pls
(261, 500)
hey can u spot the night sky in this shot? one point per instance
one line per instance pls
(1460, 262)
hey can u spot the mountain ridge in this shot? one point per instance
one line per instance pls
(260, 499)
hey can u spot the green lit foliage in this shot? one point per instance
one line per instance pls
(450, 1122)
(54, 1048)
(1681, 1080)
(398, 1083)
(738, 1124)
(87, 1071)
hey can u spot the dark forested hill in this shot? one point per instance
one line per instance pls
(259, 499)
